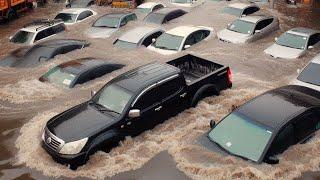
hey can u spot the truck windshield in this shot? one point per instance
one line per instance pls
(292, 40)
(125, 44)
(241, 137)
(67, 18)
(241, 26)
(232, 11)
(58, 76)
(310, 74)
(113, 97)
(105, 21)
(22, 37)
(168, 42)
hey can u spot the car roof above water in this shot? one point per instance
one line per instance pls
(136, 34)
(144, 76)
(78, 66)
(274, 108)
(303, 31)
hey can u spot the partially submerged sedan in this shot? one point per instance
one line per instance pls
(75, 15)
(42, 52)
(266, 126)
(294, 43)
(148, 7)
(107, 24)
(248, 29)
(241, 9)
(140, 36)
(180, 38)
(186, 3)
(79, 71)
(164, 15)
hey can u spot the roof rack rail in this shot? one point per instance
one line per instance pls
(43, 22)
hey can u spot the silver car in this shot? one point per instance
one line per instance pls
(140, 36)
(294, 43)
(248, 29)
(309, 76)
(107, 24)
(241, 9)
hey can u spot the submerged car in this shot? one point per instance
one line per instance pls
(164, 15)
(130, 104)
(294, 43)
(37, 31)
(267, 125)
(186, 3)
(140, 36)
(148, 7)
(42, 52)
(80, 3)
(75, 15)
(107, 24)
(309, 76)
(241, 9)
(79, 71)
(248, 29)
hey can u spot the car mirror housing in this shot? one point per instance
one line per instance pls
(310, 47)
(43, 59)
(93, 93)
(298, 71)
(257, 31)
(10, 37)
(212, 123)
(134, 113)
(187, 46)
(276, 39)
(153, 40)
(271, 160)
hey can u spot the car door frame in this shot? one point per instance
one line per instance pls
(148, 35)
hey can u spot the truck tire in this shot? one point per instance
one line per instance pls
(204, 91)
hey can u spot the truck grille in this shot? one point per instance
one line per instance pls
(52, 141)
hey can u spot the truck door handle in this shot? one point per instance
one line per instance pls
(183, 95)
(158, 108)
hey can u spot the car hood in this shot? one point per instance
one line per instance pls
(79, 122)
(233, 37)
(278, 51)
(161, 51)
(100, 32)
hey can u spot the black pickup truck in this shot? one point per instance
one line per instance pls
(131, 103)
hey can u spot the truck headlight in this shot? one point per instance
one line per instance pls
(73, 147)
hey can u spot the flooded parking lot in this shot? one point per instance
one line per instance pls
(26, 104)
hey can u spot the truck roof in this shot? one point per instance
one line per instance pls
(144, 76)
(276, 107)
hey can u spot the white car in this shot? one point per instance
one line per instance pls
(294, 43)
(310, 75)
(137, 37)
(75, 15)
(107, 24)
(240, 9)
(186, 3)
(180, 38)
(37, 31)
(248, 29)
(148, 7)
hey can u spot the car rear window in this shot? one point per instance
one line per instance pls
(311, 74)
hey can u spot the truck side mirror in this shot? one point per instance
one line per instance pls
(92, 93)
(271, 160)
(212, 123)
(134, 113)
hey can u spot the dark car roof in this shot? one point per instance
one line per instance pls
(274, 108)
(166, 10)
(79, 66)
(145, 76)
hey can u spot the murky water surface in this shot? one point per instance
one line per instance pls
(26, 104)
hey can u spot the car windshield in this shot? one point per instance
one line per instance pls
(310, 74)
(67, 18)
(232, 11)
(125, 44)
(243, 27)
(113, 97)
(292, 41)
(181, 1)
(155, 18)
(58, 76)
(144, 10)
(168, 42)
(22, 37)
(241, 137)
(106, 21)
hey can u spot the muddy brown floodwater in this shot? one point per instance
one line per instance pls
(170, 149)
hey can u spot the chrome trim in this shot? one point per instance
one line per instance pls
(54, 143)
(167, 79)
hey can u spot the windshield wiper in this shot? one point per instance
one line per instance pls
(102, 108)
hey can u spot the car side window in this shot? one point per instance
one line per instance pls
(200, 35)
(132, 17)
(147, 100)
(169, 89)
(282, 141)
(43, 34)
(306, 125)
(148, 40)
(264, 23)
(58, 28)
(314, 39)
(124, 21)
(250, 10)
(159, 6)
(191, 40)
(84, 15)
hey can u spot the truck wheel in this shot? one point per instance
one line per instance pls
(202, 93)
(73, 167)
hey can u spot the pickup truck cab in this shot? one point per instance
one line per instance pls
(131, 103)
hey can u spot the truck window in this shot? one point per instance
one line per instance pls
(169, 88)
(147, 100)
(305, 126)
